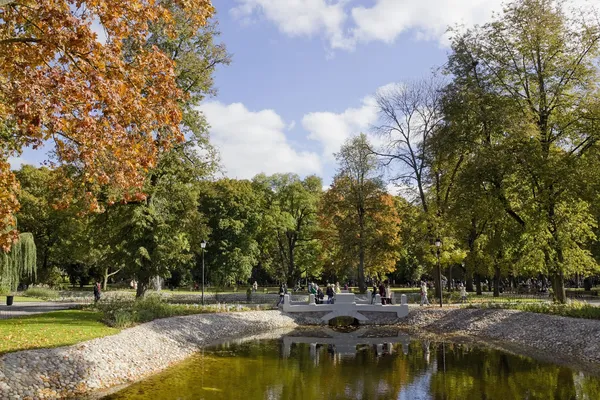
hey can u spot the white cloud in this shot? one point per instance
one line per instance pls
(331, 130)
(393, 189)
(428, 19)
(343, 25)
(254, 142)
(300, 17)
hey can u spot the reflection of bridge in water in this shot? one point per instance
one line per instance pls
(346, 343)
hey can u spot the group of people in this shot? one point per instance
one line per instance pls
(330, 292)
(425, 300)
(384, 290)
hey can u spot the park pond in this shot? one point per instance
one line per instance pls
(361, 364)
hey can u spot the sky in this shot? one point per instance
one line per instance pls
(304, 73)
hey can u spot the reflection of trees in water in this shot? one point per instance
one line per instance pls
(482, 374)
(258, 370)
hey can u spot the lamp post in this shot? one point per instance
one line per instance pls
(438, 244)
(203, 246)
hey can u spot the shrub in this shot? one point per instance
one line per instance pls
(123, 310)
(42, 293)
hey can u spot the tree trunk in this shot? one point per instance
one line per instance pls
(105, 280)
(558, 286)
(362, 286)
(450, 278)
(291, 266)
(469, 286)
(478, 284)
(436, 280)
(496, 281)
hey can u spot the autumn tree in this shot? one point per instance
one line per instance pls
(108, 106)
(363, 214)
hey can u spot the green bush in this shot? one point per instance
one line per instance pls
(574, 309)
(123, 319)
(42, 293)
(123, 311)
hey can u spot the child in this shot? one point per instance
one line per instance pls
(463, 293)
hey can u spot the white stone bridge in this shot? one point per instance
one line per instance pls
(348, 305)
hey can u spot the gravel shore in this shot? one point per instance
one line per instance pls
(570, 341)
(128, 356)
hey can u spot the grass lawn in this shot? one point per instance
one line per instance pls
(53, 329)
(21, 299)
(485, 299)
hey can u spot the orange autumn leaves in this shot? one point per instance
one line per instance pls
(108, 107)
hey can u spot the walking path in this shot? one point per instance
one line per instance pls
(30, 308)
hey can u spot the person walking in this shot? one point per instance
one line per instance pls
(424, 299)
(254, 286)
(463, 293)
(97, 292)
(281, 294)
(388, 292)
(382, 292)
(329, 292)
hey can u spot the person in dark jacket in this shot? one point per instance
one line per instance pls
(320, 296)
(281, 294)
(330, 294)
(97, 292)
(382, 292)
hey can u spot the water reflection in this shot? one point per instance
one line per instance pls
(346, 344)
(364, 364)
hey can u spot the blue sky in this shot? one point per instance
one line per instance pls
(306, 78)
(304, 73)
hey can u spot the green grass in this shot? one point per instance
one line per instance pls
(574, 310)
(42, 293)
(53, 329)
(23, 299)
(485, 299)
(406, 290)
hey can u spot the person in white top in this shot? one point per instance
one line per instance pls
(424, 299)
(463, 293)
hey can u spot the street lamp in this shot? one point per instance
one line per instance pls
(203, 246)
(438, 244)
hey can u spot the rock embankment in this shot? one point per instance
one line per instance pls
(556, 339)
(128, 356)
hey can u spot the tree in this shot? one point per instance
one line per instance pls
(108, 108)
(364, 215)
(543, 74)
(161, 231)
(232, 212)
(291, 205)
(411, 116)
(20, 261)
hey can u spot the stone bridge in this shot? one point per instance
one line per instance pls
(347, 305)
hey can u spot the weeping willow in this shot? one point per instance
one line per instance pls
(19, 262)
